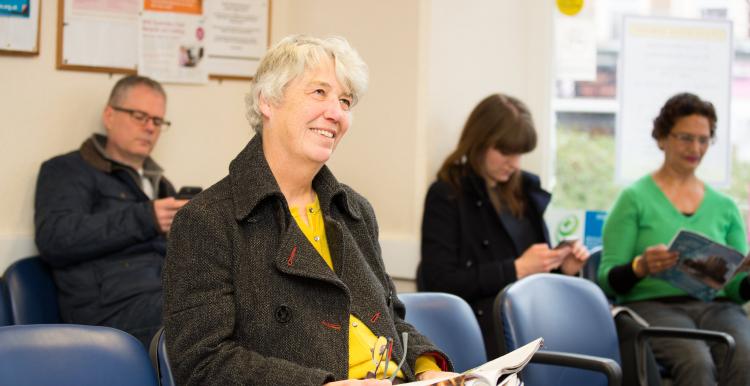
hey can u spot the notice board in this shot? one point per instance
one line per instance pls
(661, 57)
(175, 39)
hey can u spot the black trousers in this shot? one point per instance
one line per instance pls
(627, 331)
(139, 316)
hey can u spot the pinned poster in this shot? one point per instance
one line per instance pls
(564, 224)
(584, 225)
(594, 223)
(171, 41)
(575, 40)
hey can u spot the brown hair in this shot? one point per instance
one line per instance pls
(679, 106)
(501, 122)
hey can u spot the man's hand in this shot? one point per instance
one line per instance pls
(165, 210)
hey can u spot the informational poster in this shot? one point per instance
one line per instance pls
(661, 57)
(19, 26)
(575, 40)
(564, 224)
(238, 35)
(584, 225)
(99, 34)
(171, 41)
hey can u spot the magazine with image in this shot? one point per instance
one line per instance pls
(704, 266)
(501, 371)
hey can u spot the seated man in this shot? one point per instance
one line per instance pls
(102, 213)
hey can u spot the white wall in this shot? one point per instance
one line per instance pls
(430, 62)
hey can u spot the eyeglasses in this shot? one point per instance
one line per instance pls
(143, 117)
(688, 139)
(382, 353)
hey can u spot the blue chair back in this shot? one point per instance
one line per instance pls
(6, 317)
(33, 295)
(70, 354)
(160, 359)
(450, 324)
(570, 313)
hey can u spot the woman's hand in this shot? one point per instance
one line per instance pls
(540, 258)
(360, 382)
(432, 374)
(575, 259)
(654, 260)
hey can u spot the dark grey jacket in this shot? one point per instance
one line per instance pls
(249, 301)
(96, 228)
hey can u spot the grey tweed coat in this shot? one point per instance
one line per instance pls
(248, 300)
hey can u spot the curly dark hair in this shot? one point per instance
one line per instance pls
(682, 105)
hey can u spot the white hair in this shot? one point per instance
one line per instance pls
(290, 58)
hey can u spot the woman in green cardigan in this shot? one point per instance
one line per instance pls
(646, 216)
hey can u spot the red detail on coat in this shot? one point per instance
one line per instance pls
(439, 360)
(375, 317)
(330, 325)
(290, 260)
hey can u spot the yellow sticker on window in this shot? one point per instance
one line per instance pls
(570, 7)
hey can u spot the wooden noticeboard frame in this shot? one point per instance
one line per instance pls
(62, 64)
(33, 28)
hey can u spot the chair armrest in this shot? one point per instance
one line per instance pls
(680, 333)
(587, 362)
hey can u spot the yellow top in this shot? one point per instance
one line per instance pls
(361, 338)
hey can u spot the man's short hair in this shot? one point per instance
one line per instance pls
(123, 86)
(289, 59)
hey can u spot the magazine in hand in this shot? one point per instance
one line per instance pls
(501, 371)
(704, 266)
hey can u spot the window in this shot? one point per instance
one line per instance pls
(585, 112)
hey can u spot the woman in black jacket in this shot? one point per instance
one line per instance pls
(483, 227)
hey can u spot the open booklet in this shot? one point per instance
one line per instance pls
(501, 371)
(704, 266)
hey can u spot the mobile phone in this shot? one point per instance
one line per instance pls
(187, 192)
(566, 242)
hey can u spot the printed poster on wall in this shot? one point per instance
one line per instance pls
(91, 27)
(171, 41)
(661, 57)
(238, 36)
(19, 26)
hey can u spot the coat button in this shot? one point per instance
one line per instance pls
(479, 203)
(283, 314)
(469, 263)
(485, 243)
(480, 312)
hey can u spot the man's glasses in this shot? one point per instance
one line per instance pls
(143, 117)
(688, 139)
(382, 353)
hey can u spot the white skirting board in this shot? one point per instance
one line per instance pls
(401, 255)
(14, 247)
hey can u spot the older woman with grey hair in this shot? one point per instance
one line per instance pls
(274, 274)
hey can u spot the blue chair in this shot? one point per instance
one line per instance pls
(69, 354)
(450, 323)
(6, 317)
(33, 295)
(571, 314)
(160, 359)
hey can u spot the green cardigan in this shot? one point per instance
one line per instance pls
(643, 217)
